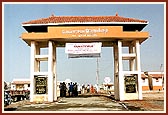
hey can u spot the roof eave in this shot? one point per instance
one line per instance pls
(69, 23)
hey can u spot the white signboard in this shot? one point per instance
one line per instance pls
(83, 48)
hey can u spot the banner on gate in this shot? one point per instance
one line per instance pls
(83, 48)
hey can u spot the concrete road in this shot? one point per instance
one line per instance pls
(82, 103)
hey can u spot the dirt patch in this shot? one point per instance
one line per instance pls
(152, 101)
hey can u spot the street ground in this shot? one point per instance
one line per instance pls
(81, 103)
(152, 101)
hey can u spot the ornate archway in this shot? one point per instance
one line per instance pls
(112, 31)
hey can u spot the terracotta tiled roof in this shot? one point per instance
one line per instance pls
(143, 76)
(156, 75)
(153, 75)
(82, 19)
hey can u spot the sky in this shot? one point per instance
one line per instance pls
(16, 53)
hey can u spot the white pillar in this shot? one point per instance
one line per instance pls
(138, 68)
(116, 81)
(55, 75)
(50, 72)
(32, 69)
(120, 71)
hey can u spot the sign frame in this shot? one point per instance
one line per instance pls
(41, 85)
(130, 84)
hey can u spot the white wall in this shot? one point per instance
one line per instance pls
(26, 87)
(145, 82)
(13, 87)
(157, 82)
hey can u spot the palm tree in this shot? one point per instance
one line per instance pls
(150, 82)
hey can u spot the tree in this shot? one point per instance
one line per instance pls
(149, 80)
(5, 86)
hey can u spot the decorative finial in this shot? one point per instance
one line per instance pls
(52, 15)
(116, 13)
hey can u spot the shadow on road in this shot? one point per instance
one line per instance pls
(133, 108)
(10, 109)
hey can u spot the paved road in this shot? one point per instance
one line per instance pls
(152, 101)
(84, 103)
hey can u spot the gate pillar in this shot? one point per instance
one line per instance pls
(32, 69)
(51, 75)
(127, 84)
(43, 85)
(138, 69)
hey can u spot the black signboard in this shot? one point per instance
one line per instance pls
(41, 85)
(130, 84)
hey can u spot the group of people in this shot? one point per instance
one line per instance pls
(73, 89)
(7, 98)
(70, 88)
(88, 89)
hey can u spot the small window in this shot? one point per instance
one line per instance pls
(157, 80)
(28, 85)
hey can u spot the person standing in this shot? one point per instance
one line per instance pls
(71, 89)
(88, 88)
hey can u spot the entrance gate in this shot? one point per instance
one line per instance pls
(112, 31)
